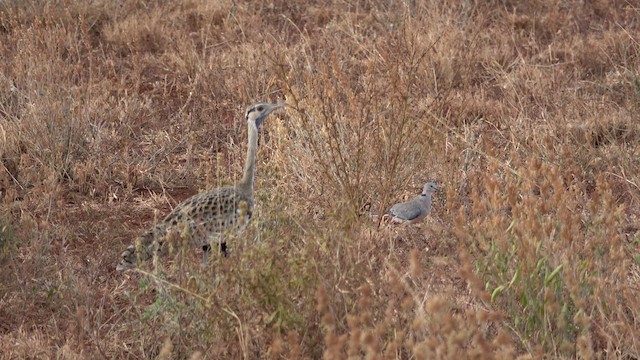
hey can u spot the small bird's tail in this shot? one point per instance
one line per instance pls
(384, 218)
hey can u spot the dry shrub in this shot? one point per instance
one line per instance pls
(554, 259)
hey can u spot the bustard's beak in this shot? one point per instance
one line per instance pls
(273, 107)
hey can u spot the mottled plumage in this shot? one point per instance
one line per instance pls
(208, 217)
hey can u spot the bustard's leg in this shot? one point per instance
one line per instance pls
(223, 248)
(206, 250)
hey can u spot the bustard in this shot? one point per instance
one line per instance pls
(208, 216)
(414, 210)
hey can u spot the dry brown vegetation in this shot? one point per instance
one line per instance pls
(525, 112)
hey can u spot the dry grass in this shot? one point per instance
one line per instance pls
(524, 112)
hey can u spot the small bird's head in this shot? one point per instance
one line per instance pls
(256, 113)
(429, 188)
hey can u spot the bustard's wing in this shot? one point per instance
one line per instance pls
(206, 217)
(209, 215)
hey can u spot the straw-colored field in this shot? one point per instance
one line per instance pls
(526, 114)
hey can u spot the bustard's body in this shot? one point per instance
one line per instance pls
(414, 210)
(208, 217)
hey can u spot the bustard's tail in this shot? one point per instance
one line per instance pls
(144, 248)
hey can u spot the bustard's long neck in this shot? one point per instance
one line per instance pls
(246, 184)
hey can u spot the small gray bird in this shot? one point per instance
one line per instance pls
(413, 211)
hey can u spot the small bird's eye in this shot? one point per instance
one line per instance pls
(260, 108)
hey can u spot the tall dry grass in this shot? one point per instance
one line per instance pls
(524, 112)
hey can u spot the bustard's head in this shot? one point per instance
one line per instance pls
(256, 113)
(429, 188)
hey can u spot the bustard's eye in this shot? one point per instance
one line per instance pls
(260, 108)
